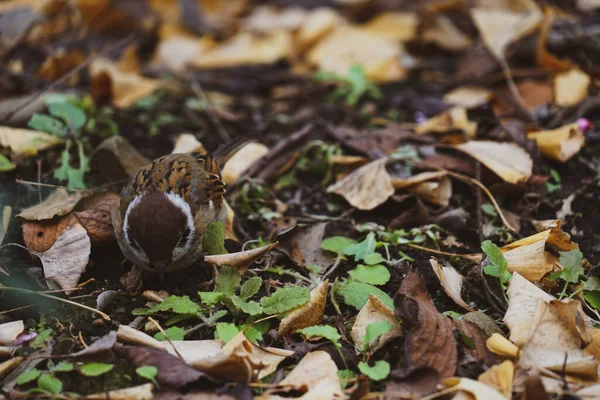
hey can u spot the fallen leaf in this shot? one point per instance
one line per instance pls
(308, 314)
(319, 22)
(57, 204)
(65, 261)
(374, 311)
(507, 160)
(401, 26)
(468, 96)
(346, 46)
(177, 49)
(475, 389)
(266, 19)
(117, 159)
(247, 49)
(59, 63)
(139, 392)
(500, 377)
(402, 183)
(10, 364)
(96, 216)
(10, 330)
(172, 372)
(478, 338)
(451, 281)
(194, 352)
(367, 187)
(441, 31)
(429, 337)
(242, 160)
(124, 88)
(531, 261)
(571, 87)
(316, 375)
(98, 348)
(240, 259)
(127, 334)
(452, 119)
(303, 245)
(26, 142)
(534, 93)
(559, 144)
(435, 192)
(187, 143)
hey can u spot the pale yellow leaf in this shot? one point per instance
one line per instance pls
(10, 330)
(559, 144)
(571, 87)
(451, 281)
(453, 119)
(468, 96)
(26, 142)
(374, 311)
(242, 160)
(308, 314)
(400, 26)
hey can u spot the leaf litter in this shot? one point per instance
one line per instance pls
(380, 137)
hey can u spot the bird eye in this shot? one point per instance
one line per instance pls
(132, 241)
(183, 238)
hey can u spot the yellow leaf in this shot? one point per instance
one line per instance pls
(25, 142)
(559, 144)
(571, 87)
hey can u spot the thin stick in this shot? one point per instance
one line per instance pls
(166, 337)
(221, 131)
(471, 257)
(14, 289)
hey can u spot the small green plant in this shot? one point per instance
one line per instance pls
(553, 183)
(47, 382)
(350, 87)
(148, 372)
(377, 372)
(498, 266)
(572, 263)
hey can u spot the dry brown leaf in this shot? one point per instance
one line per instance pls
(240, 259)
(39, 236)
(124, 88)
(402, 183)
(559, 144)
(429, 338)
(266, 19)
(127, 334)
(453, 119)
(374, 311)
(400, 26)
(96, 216)
(118, 159)
(65, 261)
(444, 33)
(451, 281)
(316, 375)
(508, 160)
(10, 364)
(476, 390)
(571, 87)
(57, 204)
(245, 49)
(26, 142)
(242, 160)
(558, 330)
(59, 63)
(187, 143)
(177, 48)
(140, 392)
(347, 46)
(10, 330)
(480, 351)
(319, 22)
(434, 192)
(367, 187)
(240, 360)
(308, 314)
(500, 377)
(468, 96)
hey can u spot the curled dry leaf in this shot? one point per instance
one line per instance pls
(118, 159)
(501, 346)
(303, 245)
(96, 216)
(500, 377)
(65, 261)
(374, 311)
(242, 160)
(475, 389)
(367, 187)
(10, 330)
(507, 160)
(400, 26)
(194, 352)
(187, 143)
(26, 142)
(123, 87)
(240, 259)
(320, 22)
(240, 360)
(429, 339)
(451, 280)
(10, 364)
(316, 375)
(453, 119)
(177, 49)
(346, 46)
(308, 314)
(558, 329)
(127, 334)
(468, 96)
(131, 393)
(559, 144)
(39, 236)
(479, 351)
(435, 192)
(403, 183)
(444, 33)
(58, 203)
(245, 49)
(571, 87)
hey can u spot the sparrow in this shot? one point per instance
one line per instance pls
(166, 208)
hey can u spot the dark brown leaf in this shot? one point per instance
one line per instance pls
(429, 339)
(479, 337)
(415, 382)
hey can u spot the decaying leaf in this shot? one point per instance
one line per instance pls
(245, 49)
(240, 259)
(374, 311)
(26, 142)
(477, 338)
(436, 192)
(500, 377)
(10, 364)
(509, 161)
(571, 87)
(127, 334)
(400, 26)
(367, 187)
(443, 32)
(10, 330)
(95, 216)
(131, 393)
(118, 159)
(558, 330)
(429, 338)
(308, 314)
(177, 48)
(476, 390)
(242, 160)
(303, 245)
(453, 119)
(316, 375)
(39, 236)
(319, 22)
(559, 144)
(65, 261)
(58, 203)
(348, 45)
(451, 281)
(468, 96)
(123, 87)
(187, 143)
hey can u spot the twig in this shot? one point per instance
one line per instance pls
(221, 131)
(476, 258)
(479, 201)
(166, 337)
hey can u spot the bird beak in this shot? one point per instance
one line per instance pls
(160, 268)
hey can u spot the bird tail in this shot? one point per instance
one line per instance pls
(227, 150)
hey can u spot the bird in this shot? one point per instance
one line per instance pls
(166, 208)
